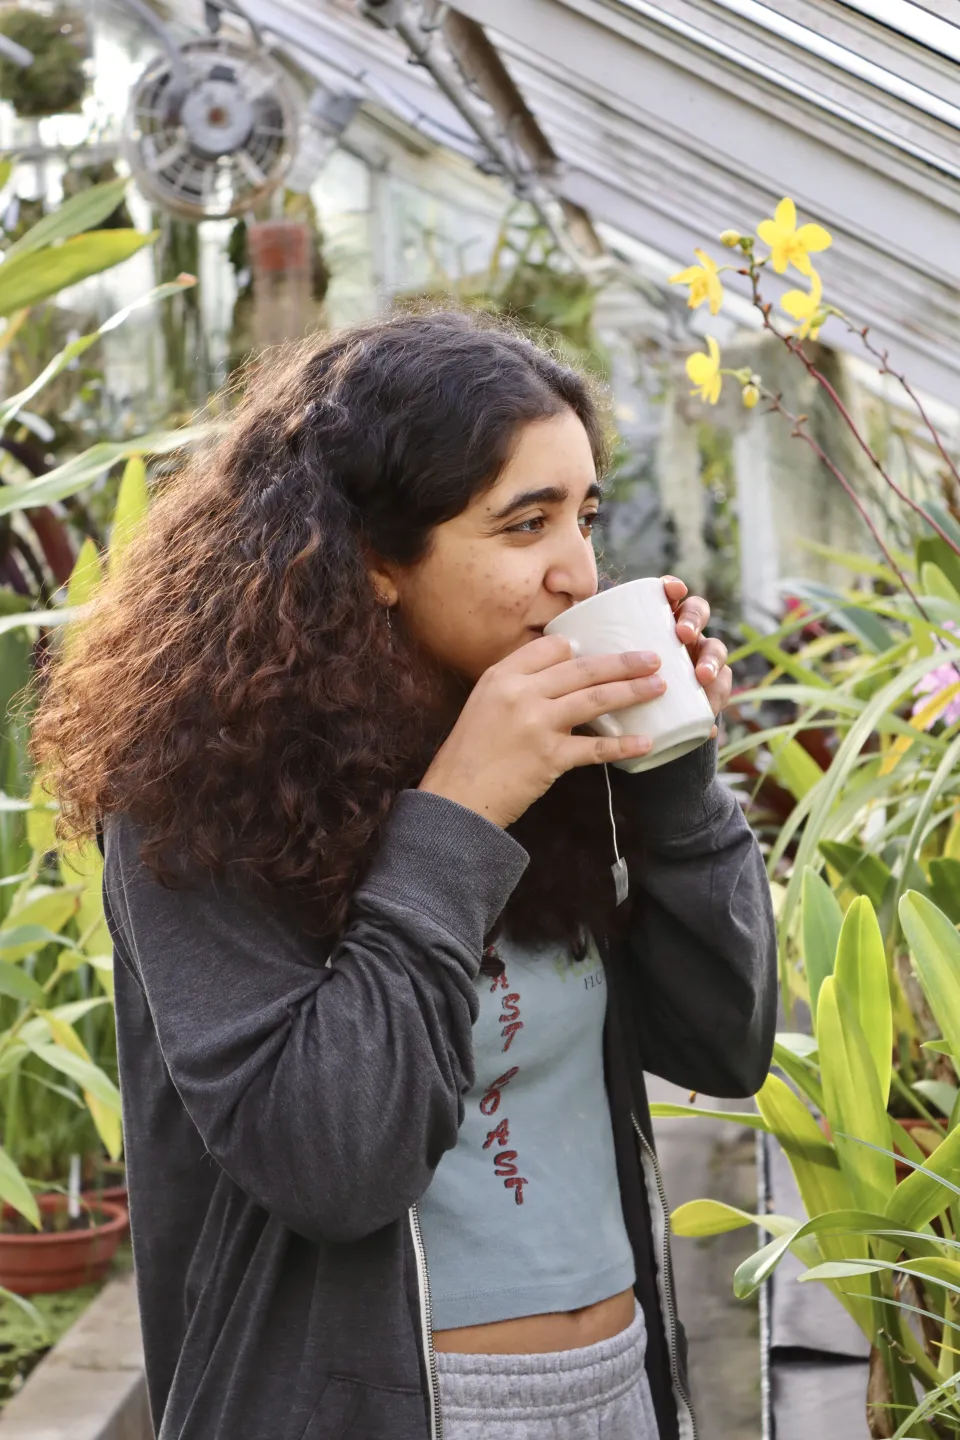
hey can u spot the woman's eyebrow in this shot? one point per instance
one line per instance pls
(546, 495)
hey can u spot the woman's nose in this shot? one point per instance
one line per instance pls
(574, 573)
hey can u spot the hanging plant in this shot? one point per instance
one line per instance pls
(55, 82)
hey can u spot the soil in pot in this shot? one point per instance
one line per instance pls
(65, 1253)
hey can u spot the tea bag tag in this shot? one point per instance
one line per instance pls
(621, 877)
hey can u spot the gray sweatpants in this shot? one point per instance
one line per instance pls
(599, 1392)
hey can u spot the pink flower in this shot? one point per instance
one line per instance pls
(934, 683)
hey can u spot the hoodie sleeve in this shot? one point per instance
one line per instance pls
(326, 1082)
(701, 939)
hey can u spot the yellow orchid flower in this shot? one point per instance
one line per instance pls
(805, 308)
(704, 371)
(704, 282)
(788, 245)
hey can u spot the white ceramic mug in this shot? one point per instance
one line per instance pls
(637, 616)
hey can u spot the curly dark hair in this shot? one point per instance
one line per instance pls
(235, 687)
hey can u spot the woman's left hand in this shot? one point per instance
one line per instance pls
(709, 656)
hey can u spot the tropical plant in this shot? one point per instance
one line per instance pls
(864, 743)
(530, 281)
(38, 552)
(54, 81)
(58, 1095)
(57, 1041)
(889, 1250)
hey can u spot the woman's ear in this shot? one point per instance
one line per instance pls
(383, 579)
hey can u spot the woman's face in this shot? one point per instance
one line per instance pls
(519, 555)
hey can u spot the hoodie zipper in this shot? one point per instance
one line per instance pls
(426, 1326)
(666, 1288)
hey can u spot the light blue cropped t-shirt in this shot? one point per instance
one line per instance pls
(523, 1216)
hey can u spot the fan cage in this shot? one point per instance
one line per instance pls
(175, 172)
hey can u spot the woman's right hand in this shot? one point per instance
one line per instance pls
(513, 737)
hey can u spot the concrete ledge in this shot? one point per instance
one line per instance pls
(91, 1385)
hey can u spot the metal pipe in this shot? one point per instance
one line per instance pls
(483, 69)
(527, 183)
(18, 54)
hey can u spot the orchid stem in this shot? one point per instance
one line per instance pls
(797, 349)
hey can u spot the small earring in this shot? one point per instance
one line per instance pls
(390, 618)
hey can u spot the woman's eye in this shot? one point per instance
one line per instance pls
(533, 526)
(591, 521)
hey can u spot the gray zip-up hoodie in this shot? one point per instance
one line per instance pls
(286, 1102)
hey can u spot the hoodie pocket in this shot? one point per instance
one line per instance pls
(350, 1410)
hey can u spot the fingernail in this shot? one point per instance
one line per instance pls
(657, 682)
(642, 657)
(574, 646)
(710, 666)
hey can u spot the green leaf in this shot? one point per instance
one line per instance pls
(84, 211)
(41, 818)
(30, 1310)
(70, 1096)
(835, 1223)
(796, 770)
(84, 866)
(663, 1110)
(29, 278)
(821, 921)
(85, 576)
(939, 1047)
(869, 629)
(698, 1218)
(864, 872)
(72, 351)
(861, 971)
(934, 582)
(37, 1031)
(935, 946)
(846, 761)
(133, 500)
(41, 619)
(939, 513)
(920, 1197)
(74, 474)
(939, 1093)
(87, 1075)
(803, 1074)
(799, 1044)
(16, 982)
(854, 1104)
(51, 910)
(23, 940)
(942, 1271)
(15, 1191)
(945, 887)
(812, 1158)
(781, 659)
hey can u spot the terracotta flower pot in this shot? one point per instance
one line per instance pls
(39, 1262)
(115, 1194)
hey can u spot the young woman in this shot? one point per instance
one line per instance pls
(382, 1026)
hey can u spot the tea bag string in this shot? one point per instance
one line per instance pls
(621, 878)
